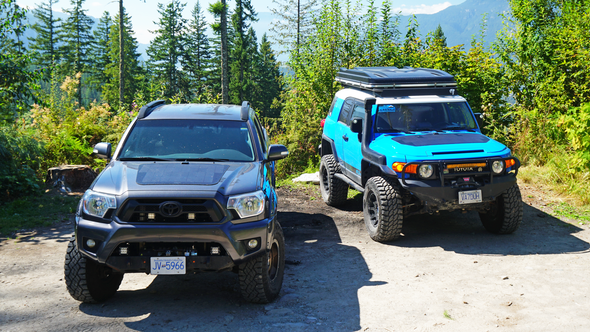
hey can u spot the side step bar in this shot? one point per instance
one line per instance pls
(351, 183)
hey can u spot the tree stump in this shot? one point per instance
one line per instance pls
(68, 178)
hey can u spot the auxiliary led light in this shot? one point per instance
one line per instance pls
(151, 216)
(214, 250)
(191, 216)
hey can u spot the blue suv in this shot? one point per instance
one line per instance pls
(405, 139)
(189, 188)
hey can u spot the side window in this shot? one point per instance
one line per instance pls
(344, 116)
(259, 132)
(357, 112)
(332, 106)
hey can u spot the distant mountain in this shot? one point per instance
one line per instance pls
(461, 22)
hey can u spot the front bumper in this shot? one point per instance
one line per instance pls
(175, 239)
(442, 192)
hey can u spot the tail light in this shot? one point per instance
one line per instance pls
(323, 122)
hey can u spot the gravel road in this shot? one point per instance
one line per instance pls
(445, 274)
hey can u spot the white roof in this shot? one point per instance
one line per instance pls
(362, 95)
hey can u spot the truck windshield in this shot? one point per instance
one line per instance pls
(424, 117)
(199, 140)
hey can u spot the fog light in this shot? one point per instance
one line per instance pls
(191, 216)
(151, 216)
(90, 243)
(214, 250)
(123, 250)
(252, 243)
(497, 166)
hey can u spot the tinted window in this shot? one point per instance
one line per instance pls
(189, 139)
(344, 114)
(423, 117)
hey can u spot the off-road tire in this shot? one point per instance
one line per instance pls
(261, 278)
(382, 209)
(89, 281)
(505, 215)
(334, 191)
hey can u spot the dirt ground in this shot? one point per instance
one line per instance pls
(445, 274)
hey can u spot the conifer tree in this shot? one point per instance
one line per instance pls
(439, 36)
(100, 51)
(294, 23)
(197, 60)
(269, 80)
(44, 44)
(168, 47)
(243, 50)
(219, 11)
(132, 69)
(76, 37)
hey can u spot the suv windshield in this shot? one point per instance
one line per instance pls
(424, 117)
(188, 140)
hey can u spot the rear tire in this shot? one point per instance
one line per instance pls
(334, 191)
(87, 280)
(505, 215)
(382, 209)
(261, 278)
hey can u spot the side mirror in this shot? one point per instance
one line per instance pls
(277, 152)
(102, 150)
(356, 125)
(479, 119)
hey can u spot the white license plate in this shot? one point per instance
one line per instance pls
(168, 265)
(472, 196)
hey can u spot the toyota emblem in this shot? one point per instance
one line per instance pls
(170, 209)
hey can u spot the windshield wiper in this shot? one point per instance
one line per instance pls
(201, 159)
(427, 129)
(398, 130)
(457, 128)
(144, 159)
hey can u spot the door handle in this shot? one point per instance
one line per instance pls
(345, 138)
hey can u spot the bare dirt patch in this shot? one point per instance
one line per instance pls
(445, 274)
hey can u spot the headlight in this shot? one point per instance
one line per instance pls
(425, 171)
(247, 205)
(97, 204)
(498, 166)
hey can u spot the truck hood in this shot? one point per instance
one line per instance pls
(122, 177)
(439, 145)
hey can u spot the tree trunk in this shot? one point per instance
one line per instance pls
(224, 57)
(121, 56)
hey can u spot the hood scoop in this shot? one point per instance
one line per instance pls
(189, 174)
(455, 152)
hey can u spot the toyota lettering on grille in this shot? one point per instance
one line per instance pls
(170, 209)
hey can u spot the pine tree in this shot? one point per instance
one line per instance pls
(294, 23)
(439, 36)
(100, 52)
(44, 44)
(269, 79)
(167, 48)
(132, 69)
(243, 50)
(76, 36)
(197, 60)
(219, 11)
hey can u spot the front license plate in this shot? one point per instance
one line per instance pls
(472, 196)
(168, 265)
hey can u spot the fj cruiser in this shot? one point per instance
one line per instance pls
(405, 139)
(189, 188)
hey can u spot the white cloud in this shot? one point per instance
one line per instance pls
(422, 9)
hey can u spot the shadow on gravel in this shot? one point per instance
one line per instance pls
(322, 276)
(539, 234)
(61, 232)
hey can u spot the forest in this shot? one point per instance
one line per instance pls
(73, 86)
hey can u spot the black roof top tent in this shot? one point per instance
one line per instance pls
(396, 82)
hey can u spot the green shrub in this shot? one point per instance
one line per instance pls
(19, 160)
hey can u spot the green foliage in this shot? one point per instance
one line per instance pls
(576, 124)
(34, 211)
(19, 160)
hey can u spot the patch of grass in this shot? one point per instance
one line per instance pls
(447, 315)
(35, 211)
(577, 213)
(353, 193)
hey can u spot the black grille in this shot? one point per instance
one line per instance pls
(139, 210)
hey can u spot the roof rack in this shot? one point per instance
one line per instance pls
(393, 81)
(149, 108)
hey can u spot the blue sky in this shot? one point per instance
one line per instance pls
(144, 13)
